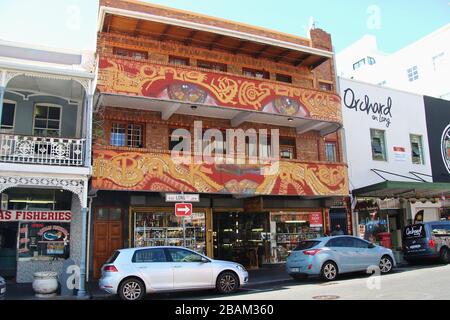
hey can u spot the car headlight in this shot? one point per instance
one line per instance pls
(240, 267)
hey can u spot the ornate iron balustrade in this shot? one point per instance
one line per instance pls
(42, 150)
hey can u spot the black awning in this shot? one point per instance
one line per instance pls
(404, 189)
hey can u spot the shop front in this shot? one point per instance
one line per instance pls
(36, 226)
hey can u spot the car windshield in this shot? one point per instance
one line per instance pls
(304, 245)
(414, 231)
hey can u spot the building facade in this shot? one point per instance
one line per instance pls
(387, 135)
(46, 98)
(421, 67)
(163, 70)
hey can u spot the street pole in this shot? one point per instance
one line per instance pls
(184, 232)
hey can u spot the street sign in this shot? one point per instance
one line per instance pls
(173, 197)
(183, 209)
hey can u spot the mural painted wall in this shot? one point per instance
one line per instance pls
(213, 88)
(115, 170)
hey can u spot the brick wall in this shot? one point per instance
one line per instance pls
(310, 146)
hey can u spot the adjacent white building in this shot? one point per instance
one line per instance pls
(389, 160)
(422, 67)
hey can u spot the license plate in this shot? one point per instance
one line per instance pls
(295, 269)
(3, 290)
(417, 246)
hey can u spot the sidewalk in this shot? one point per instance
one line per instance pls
(24, 291)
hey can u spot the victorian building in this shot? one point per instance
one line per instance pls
(161, 70)
(46, 100)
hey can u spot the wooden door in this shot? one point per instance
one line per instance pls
(107, 237)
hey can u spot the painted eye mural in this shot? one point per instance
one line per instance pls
(186, 92)
(286, 106)
(445, 147)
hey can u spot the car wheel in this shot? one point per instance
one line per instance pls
(132, 289)
(386, 264)
(227, 282)
(329, 271)
(445, 255)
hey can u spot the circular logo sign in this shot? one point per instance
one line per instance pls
(445, 147)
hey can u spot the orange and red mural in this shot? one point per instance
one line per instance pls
(191, 85)
(114, 170)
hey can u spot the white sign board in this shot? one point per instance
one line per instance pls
(400, 154)
(171, 197)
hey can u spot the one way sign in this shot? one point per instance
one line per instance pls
(183, 209)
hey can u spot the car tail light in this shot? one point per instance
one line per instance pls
(431, 243)
(311, 252)
(110, 269)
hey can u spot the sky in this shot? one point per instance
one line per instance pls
(71, 24)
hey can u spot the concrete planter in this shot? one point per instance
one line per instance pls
(45, 284)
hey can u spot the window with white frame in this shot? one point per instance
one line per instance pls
(413, 74)
(126, 135)
(330, 151)
(438, 60)
(47, 120)
(378, 145)
(8, 114)
(416, 149)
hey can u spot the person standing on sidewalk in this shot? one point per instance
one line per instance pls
(337, 231)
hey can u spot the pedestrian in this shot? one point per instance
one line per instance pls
(337, 231)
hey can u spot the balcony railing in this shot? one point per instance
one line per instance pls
(42, 150)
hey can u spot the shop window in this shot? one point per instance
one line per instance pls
(8, 114)
(127, 135)
(47, 120)
(287, 148)
(416, 149)
(284, 78)
(330, 151)
(38, 199)
(212, 65)
(260, 74)
(413, 73)
(149, 256)
(165, 229)
(138, 55)
(378, 145)
(324, 86)
(179, 61)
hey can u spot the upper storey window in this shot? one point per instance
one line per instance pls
(359, 64)
(212, 65)
(260, 74)
(284, 78)
(179, 61)
(139, 55)
(325, 86)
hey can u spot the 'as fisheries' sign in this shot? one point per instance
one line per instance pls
(35, 216)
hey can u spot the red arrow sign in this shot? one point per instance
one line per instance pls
(183, 209)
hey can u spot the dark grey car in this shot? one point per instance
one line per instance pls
(429, 240)
(2, 288)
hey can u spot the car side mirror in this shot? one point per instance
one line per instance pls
(204, 260)
(371, 246)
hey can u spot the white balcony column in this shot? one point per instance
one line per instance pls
(88, 148)
(2, 94)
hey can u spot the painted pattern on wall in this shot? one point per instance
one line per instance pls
(115, 170)
(191, 85)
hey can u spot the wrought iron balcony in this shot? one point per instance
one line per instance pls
(42, 150)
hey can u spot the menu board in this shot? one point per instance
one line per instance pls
(44, 239)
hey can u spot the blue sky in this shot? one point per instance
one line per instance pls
(71, 24)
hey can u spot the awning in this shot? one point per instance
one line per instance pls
(404, 189)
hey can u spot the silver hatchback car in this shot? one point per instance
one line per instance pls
(131, 273)
(328, 257)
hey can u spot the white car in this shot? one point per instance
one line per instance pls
(131, 273)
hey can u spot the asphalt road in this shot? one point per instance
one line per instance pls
(429, 282)
(423, 282)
